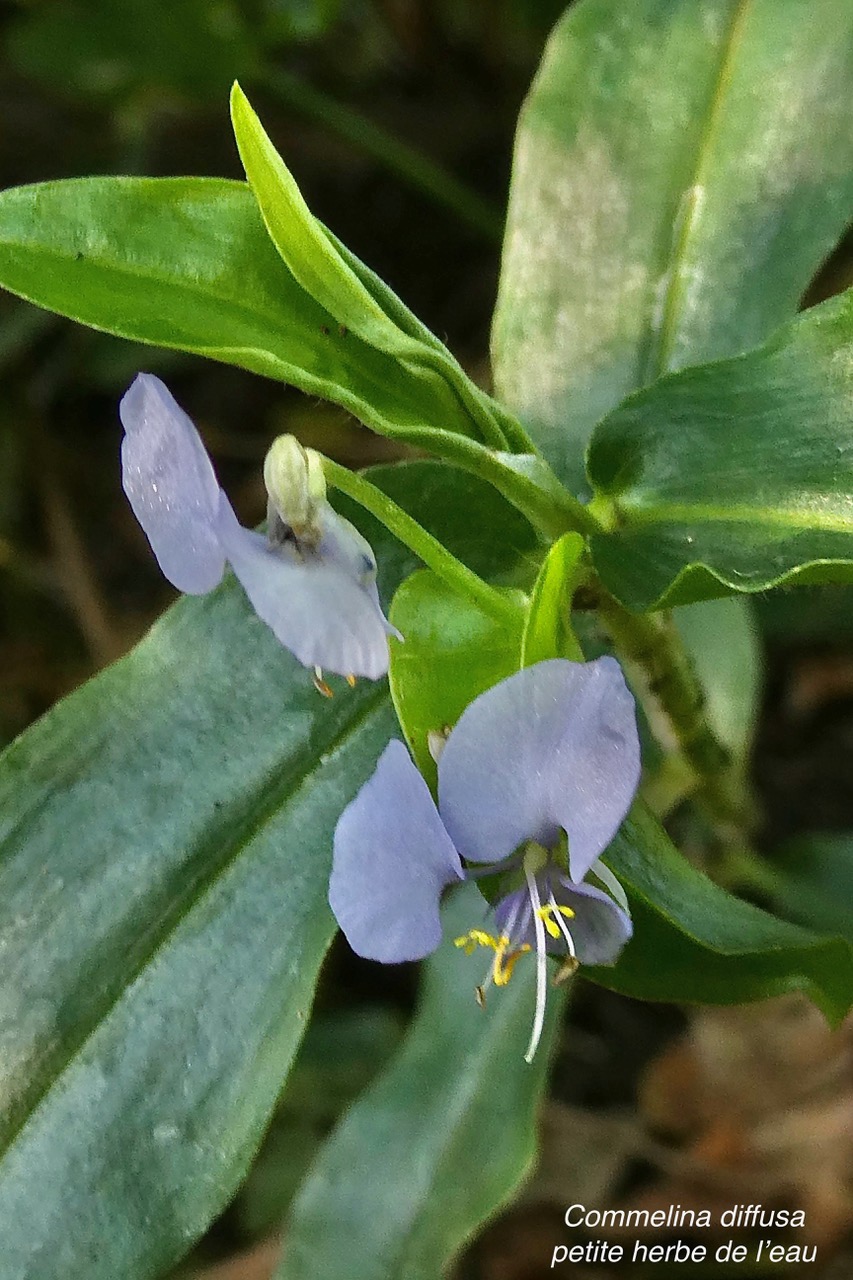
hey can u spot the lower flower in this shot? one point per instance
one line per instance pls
(533, 783)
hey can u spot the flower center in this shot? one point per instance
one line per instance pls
(506, 956)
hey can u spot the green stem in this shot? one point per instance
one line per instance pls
(525, 480)
(435, 556)
(675, 705)
(416, 169)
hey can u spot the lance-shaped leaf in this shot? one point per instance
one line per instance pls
(428, 1174)
(326, 274)
(165, 845)
(680, 172)
(735, 476)
(187, 263)
(695, 942)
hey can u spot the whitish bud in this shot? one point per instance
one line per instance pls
(295, 483)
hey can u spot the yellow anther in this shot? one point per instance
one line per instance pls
(505, 963)
(505, 960)
(350, 679)
(546, 915)
(476, 938)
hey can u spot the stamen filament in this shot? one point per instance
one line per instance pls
(500, 970)
(559, 913)
(320, 684)
(550, 916)
(608, 879)
(541, 965)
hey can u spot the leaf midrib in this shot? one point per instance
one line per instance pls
(795, 519)
(265, 806)
(663, 334)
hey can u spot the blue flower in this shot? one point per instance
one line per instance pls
(533, 784)
(312, 579)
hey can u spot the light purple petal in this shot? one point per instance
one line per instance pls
(599, 927)
(392, 860)
(315, 609)
(343, 544)
(553, 746)
(171, 485)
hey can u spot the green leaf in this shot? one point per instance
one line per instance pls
(187, 263)
(452, 653)
(680, 172)
(303, 244)
(313, 256)
(165, 842)
(734, 476)
(695, 942)
(721, 638)
(810, 880)
(429, 1174)
(340, 1055)
(548, 629)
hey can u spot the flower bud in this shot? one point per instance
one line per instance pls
(294, 479)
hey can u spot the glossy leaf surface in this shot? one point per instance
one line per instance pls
(187, 263)
(697, 943)
(326, 274)
(452, 652)
(680, 172)
(734, 476)
(548, 629)
(428, 1174)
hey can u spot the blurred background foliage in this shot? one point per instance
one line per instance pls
(397, 118)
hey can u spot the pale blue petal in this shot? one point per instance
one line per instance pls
(553, 746)
(599, 927)
(343, 544)
(171, 485)
(392, 859)
(314, 608)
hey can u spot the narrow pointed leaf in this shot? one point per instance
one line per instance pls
(327, 275)
(548, 631)
(303, 244)
(429, 1175)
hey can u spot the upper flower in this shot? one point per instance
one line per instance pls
(534, 781)
(312, 579)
